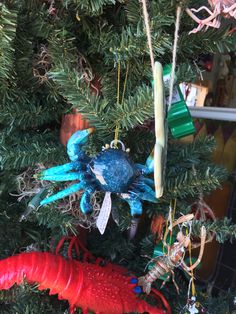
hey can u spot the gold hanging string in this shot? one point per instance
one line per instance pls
(117, 129)
(118, 84)
(125, 83)
(171, 222)
(164, 240)
(191, 263)
(173, 216)
(117, 102)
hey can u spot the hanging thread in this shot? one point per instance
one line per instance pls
(148, 31)
(174, 56)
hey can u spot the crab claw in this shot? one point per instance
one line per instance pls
(149, 165)
(134, 203)
(76, 140)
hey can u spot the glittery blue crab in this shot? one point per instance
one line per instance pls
(110, 171)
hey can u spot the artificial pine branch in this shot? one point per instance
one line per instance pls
(60, 223)
(78, 94)
(29, 149)
(186, 184)
(216, 40)
(223, 229)
(105, 32)
(8, 23)
(132, 42)
(134, 110)
(30, 111)
(90, 7)
(28, 300)
(189, 169)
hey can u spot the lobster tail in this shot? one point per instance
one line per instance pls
(89, 286)
(48, 270)
(143, 282)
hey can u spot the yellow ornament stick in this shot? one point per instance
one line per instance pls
(161, 138)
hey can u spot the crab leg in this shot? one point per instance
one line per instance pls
(78, 139)
(147, 196)
(149, 165)
(57, 170)
(148, 181)
(85, 202)
(63, 177)
(134, 203)
(70, 190)
(145, 192)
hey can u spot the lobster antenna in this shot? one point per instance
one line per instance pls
(157, 296)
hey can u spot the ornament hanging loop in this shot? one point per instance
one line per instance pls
(115, 142)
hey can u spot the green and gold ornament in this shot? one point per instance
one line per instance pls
(179, 119)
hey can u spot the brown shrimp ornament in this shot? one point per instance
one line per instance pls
(90, 286)
(166, 263)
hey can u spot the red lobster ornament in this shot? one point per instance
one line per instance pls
(90, 286)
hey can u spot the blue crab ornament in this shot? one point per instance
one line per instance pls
(110, 171)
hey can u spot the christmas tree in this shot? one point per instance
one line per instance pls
(91, 57)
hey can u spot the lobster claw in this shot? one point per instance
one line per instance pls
(136, 289)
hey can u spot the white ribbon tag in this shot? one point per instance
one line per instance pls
(104, 214)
